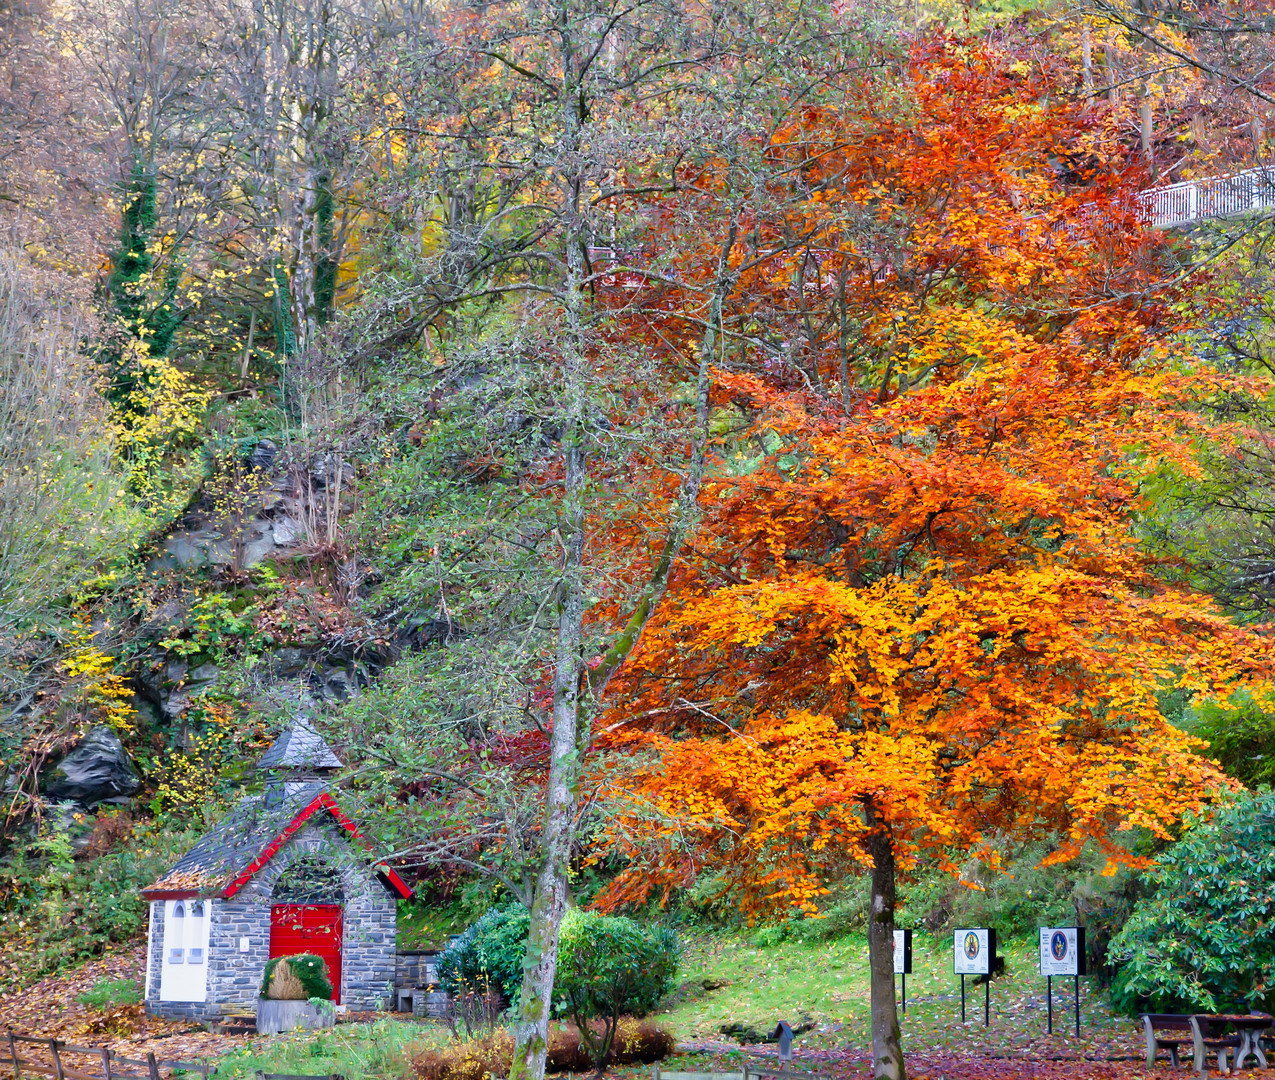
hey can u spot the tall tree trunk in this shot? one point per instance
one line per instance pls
(1257, 125)
(887, 1055)
(1086, 59)
(569, 740)
(305, 262)
(1113, 74)
(1145, 123)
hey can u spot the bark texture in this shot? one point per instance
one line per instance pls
(887, 1055)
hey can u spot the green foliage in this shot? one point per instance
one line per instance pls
(1205, 939)
(56, 910)
(108, 992)
(488, 956)
(383, 1049)
(429, 923)
(310, 970)
(1241, 737)
(130, 286)
(609, 965)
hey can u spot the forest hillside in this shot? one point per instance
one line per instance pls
(734, 465)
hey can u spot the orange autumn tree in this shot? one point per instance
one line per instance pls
(917, 619)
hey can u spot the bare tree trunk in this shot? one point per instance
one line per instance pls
(304, 277)
(1257, 125)
(887, 1055)
(1146, 123)
(570, 736)
(1086, 60)
(1113, 75)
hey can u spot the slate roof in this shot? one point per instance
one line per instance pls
(300, 747)
(249, 837)
(213, 864)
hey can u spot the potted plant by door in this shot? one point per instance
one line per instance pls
(295, 993)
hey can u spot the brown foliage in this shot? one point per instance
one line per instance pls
(474, 1060)
(284, 984)
(109, 831)
(637, 1042)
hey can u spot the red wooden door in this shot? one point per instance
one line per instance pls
(312, 928)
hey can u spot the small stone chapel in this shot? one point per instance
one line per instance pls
(285, 872)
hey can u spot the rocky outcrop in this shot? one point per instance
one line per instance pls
(96, 770)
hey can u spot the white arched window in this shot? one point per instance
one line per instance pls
(175, 934)
(195, 934)
(183, 972)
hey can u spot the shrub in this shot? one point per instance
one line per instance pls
(474, 1060)
(1241, 737)
(108, 992)
(609, 966)
(488, 956)
(637, 1042)
(296, 978)
(641, 1042)
(1204, 940)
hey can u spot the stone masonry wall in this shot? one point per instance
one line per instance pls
(234, 978)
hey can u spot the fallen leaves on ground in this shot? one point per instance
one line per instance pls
(49, 1009)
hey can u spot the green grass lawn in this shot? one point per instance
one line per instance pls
(726, 979)
(383, 1049)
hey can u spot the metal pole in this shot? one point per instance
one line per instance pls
(905, 993)
(987, 999)
(962, 999)
(1077, 1006)
(1049, 1003)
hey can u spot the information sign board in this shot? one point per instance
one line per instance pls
(973, 950)
(1062, 950)
(903, 952)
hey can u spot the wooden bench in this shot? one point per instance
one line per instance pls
(1207, 1037)
(1153, 1022)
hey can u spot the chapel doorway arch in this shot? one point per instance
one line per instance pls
(307, 915)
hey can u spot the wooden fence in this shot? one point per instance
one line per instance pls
(112, 1066)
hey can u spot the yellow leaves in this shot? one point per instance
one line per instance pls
(104, 693)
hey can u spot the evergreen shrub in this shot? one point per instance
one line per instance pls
(488, 956)
(1204, 940)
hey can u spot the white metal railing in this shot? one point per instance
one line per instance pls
(1211, 197)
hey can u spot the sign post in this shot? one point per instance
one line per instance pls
(903, 961)
(973, 953)
(1062, 952)
(783, 1032)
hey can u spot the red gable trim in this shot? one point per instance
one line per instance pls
(321, 801)
(400, 886)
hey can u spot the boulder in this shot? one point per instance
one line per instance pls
(98, 768)
(264, 454)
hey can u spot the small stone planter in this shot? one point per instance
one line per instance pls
(274, 1017)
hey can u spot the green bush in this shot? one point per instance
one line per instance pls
(609, 966)
(1241, 738)
(310, 970)
(488, 956)
(1204, 940)
(108, 992)
(56, 910)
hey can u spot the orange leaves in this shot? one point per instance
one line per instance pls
(925, 591)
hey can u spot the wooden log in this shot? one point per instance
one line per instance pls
(13, 1053)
